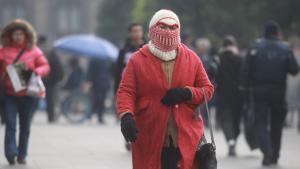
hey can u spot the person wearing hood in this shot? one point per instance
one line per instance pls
(268, 63)
(229, 97)
(157, 97)
(19, 39)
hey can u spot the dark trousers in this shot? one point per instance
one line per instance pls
(270, 112)
(98, 97)
(2, 116)
(22, 106)
(50, 100)
(170, 157)
(229, 109)
(230, 118)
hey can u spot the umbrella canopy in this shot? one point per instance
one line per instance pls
(87, 45)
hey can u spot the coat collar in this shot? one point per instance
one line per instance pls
(146, 51)
(157, 63)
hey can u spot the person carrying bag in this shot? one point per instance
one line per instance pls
(21, 61)
(157, 97)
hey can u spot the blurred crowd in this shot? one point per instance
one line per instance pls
(250, 84)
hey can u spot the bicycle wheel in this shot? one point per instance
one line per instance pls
(76, 108)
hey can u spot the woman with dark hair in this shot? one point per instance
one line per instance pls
(19, 47)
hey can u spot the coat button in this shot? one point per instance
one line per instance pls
(176, 106)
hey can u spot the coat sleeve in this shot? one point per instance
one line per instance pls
(1, 63)
(126, 94)
(42, 67)
(201, 80)
(118, 69)
(293, 66)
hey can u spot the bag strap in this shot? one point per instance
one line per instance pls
(19, 55)
(209, 118)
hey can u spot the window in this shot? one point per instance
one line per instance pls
(11, 10)
(68, 17)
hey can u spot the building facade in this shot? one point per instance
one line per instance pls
(53, 18)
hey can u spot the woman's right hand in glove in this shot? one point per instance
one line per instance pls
(128, 127)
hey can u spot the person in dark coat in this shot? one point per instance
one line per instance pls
(2, 122)
(268, 63)
(210, 63)
(98, 76)
(76, 76)
(229, 100)
(51, 81)
(1, 97)
(134, 41)
(203, 50)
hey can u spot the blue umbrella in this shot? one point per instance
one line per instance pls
(87, 45)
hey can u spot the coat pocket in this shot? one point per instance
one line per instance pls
(142, 106)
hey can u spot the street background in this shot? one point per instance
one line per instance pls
(94, 146)
(91, 144)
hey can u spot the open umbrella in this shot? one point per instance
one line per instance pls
(87, 45)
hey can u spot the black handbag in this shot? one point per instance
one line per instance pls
(206, 153)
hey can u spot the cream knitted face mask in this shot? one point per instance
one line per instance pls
(165, 56)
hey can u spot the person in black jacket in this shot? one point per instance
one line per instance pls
(267, 64)
(229, 97)
(51, 82)
(134, 41)
(98, 77)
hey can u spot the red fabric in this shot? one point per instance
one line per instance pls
(143, 85)
(34, 60)
(164, 40)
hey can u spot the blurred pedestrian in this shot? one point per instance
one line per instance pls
(229, 103)
(267, 64)
(210, 63)
(187, 40)
(51, 83)
(2, 93)
(76, 77)
(159, 90)
(203, 49)
(98, 76)
(133, 42)
(19, 46)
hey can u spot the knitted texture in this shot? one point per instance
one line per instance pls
(164, 39)
(165, 56)
(166, 16)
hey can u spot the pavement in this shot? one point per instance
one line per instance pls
(93, 146)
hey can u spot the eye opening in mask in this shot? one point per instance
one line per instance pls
(167, 27)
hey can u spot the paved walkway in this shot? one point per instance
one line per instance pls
(94, 146)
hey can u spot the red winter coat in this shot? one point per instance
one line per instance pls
(143, 85)
(33, 58)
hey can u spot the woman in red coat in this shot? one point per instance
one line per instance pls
(157, 97)
(19, 38)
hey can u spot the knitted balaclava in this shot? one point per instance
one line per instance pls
(164, 42)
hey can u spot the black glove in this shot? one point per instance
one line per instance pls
(176, 95)
(128, 128)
